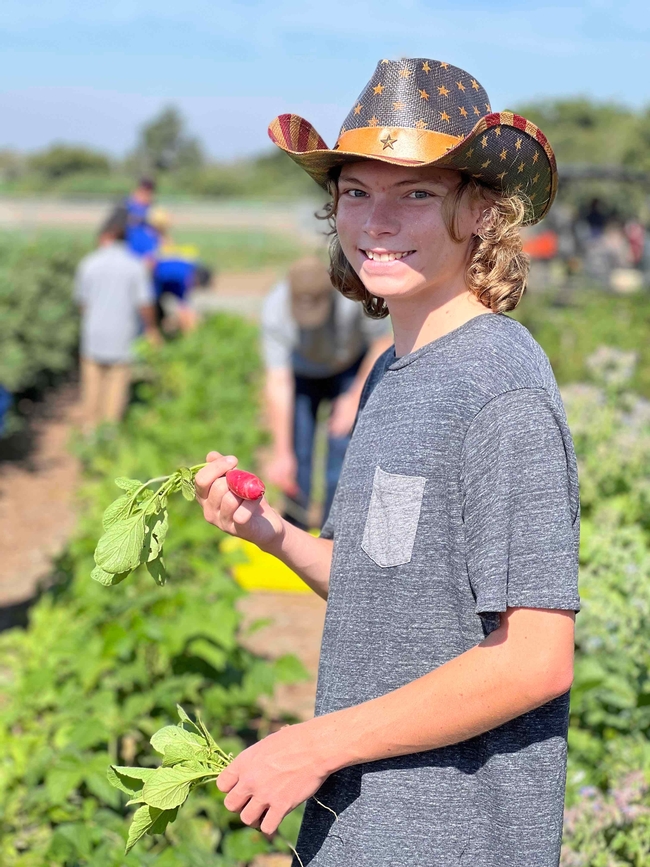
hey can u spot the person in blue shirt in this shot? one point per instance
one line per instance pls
(176, 271)
(141, 237)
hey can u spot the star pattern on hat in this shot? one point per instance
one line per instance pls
(433, 96)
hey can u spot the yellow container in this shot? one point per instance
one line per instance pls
(258, 571)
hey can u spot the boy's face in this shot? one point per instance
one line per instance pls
(386, 209)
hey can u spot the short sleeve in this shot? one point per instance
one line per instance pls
(143, 286)
(521, 505)
(81, 283)
(277, 329)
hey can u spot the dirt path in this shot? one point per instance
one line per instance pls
(37, 512)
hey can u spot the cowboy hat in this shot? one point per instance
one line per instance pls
(419, 112)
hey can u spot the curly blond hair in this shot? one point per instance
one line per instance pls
(497, 269)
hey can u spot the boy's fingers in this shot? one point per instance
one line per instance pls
(207, 476)
(227, 779)
(271, 821)
(228, 506)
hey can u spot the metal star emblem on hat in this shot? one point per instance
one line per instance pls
(388, 141)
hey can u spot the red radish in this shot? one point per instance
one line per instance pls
(245, 485)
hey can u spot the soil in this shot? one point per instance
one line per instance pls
(38, 479)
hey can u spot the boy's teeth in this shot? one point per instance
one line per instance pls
(384, 257)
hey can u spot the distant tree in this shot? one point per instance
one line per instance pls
(585, 131)
(60, 160)
(165, 146)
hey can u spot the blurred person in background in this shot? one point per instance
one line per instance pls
(114, 292)
(318, 346)
(176, 272)
(141, 237)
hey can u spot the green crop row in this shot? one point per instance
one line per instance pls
(38, 320)
(100, 669)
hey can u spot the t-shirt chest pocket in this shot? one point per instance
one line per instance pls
(393, 518)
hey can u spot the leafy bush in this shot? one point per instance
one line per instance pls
(572, 327)
(38, 319)
(609, 829)
(610, 701)
(99, 670)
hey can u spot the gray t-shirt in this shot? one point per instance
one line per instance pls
(111, 284)
(316, 352)
(458, 498)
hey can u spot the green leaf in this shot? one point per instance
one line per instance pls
(189, 757)
(143, 820)
(164, 818)
(188, 490)
(128, 485)
(175, 735)
(182, 713)
(169, 787)
(120, 548)
(129, 780)
(156, 568)
(117, 511)
(157, 526)
(108, 579)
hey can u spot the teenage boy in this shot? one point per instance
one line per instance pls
(318, 346)
(114, 292)
(449, 562)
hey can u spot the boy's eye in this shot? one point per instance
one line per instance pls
(355, 194)
(419, 194)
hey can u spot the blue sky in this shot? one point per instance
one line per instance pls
(93, 72)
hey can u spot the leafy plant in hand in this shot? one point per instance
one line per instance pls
(136, 523)
(191, 758)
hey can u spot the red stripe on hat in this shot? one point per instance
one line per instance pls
(303, 136)
(519, 121)
(285, 126)
(492, 119)
(541, 138)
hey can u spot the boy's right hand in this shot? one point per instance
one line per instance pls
(252, 520)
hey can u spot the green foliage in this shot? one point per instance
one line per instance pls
(60, 160)
(164, 144)
(100, 670)
(609, 829)
(190, 759)
(584, 131)
(38, 319)
(572, 326)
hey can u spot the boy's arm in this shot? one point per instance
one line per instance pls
(279, 392)
(522, 665)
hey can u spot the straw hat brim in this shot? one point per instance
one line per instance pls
(504, 151)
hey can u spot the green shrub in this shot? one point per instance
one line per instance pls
(571, 327)
(38, 319)
(610, 700)
(609, 829)
(99, 669)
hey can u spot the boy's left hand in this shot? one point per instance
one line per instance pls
(275, 775)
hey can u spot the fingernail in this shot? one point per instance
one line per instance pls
(231, 459)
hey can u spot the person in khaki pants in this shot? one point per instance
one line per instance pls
(113, 289)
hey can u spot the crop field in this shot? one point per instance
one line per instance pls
(128, 655)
